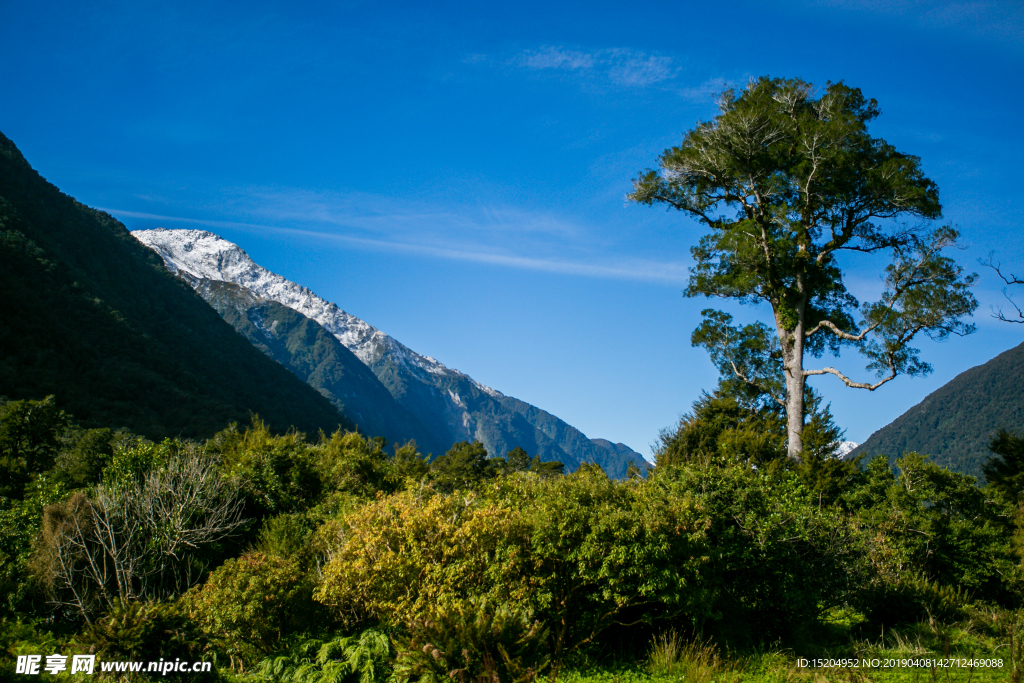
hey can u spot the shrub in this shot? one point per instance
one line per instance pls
(248, 605)
(775, 559)
(140, 631)
(274, 474)
(393, 558)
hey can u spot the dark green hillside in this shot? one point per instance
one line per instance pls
(319, 359)
(93, 317)
(955, 424)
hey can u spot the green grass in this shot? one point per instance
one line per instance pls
(984, 635)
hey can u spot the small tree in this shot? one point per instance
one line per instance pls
(805, 182)
(141, 533)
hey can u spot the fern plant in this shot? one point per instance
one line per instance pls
(365, 658)
(474, 641)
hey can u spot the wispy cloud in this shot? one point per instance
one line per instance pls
(641, 70)
(621, 268)
(557, 58)
(621, 66)
(1000, 21)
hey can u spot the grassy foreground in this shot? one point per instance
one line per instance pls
(978, 649)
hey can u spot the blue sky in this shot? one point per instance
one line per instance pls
(455, 174)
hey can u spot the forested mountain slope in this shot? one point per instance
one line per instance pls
(93, 317)
(314, 355)
(955, 423)
(445, 400)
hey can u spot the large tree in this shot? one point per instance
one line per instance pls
(786, 179)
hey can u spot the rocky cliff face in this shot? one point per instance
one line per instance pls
(449, 404)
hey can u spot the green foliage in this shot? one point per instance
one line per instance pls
(547, 469)
(93, 451)
(20, 522)
(473, 641)
(786, 179)
(289, 537)
(740, 425)
(1004, 471)
(517, 460)
(365, 658)
(775, 558)
(274, 473)
(601, 550)
(928, 527)
(723, 427)
(29, 441)
(349, 463)
(464, 465)
(25, 637)
(399, 555)
(248, 605)
(140, 631)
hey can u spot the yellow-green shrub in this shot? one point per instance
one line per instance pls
(393, 558)
(249, 604)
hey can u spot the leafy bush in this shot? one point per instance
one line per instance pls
(392, 559)
(274, 474)
(248, 605)
(140, 631)
(932, 525)
(601, 549)
(474, 641)
(348, 462)
(775, 560)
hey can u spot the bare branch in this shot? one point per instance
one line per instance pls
(831, 326)
(849, 382)
(1012, 279)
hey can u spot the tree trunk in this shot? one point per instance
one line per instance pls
(792, 342)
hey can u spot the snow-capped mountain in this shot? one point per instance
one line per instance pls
(206, 256)
(845, 448)
(451, 403)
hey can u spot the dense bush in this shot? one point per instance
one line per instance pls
(363, 564)
(140, 631)
(395, 557)
(776, 559)
(248, 605)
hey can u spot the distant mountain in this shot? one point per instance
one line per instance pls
(955, 423)
(621, 450)
(443, 399)
(314, 355)
(93, 317)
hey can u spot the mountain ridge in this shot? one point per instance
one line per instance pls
(93, 317)
(955, 423)
(426, 387)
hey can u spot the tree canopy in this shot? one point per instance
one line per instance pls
(787, 179)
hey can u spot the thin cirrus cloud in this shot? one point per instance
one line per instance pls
(382, 215)
(635, 269)
(619, 65)
(995, 21)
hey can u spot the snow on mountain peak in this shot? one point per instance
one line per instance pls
(206, 256)
(845, 448)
